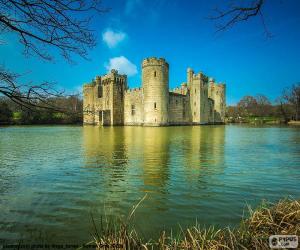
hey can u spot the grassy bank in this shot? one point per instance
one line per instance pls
(256, 120)
(252, 233)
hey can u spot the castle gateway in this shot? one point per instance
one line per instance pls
(107, 100)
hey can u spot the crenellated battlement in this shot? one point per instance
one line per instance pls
(133, 90)
(200, 76)
(153, 61)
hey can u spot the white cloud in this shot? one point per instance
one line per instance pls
(112, 38)
(123, 65)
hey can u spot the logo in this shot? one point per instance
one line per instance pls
(283, 241)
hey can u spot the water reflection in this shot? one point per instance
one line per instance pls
(52, 178)
(173, 165)
(154, 150)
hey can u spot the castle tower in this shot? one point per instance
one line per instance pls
(220, 101)
(217, 93)
(155, 77)
(199, 98)
(88, 103)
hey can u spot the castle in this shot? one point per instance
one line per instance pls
(107, 100)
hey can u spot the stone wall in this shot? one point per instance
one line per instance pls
(179, 109)
(133, 107)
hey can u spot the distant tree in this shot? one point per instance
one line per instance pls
(20, 115)
(263, 107)
(247, 106)
(283, 110)
(43, 27)
(5, 112)
(291, 96)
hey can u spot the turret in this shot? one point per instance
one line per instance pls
(190, 74)
(155, 77)
(88, 103)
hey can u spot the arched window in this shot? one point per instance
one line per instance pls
(154, 73)
(155, 105)
(195, 91)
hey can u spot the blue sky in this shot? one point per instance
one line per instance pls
(180, 31)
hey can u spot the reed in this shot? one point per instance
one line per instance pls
(253, 232)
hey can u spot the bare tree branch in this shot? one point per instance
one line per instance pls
(43, 24)
(235, 14)
(30, 96)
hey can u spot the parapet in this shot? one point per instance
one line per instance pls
(89, 85)
(153, 61)
(220, 85)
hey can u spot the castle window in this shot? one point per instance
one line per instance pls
(195, 91)
(100, 91)
(132, 110)
(155, 105)
(154, 73)
(176, 102)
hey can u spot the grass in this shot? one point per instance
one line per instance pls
(252, 233)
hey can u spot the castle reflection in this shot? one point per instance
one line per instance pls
(156, 154)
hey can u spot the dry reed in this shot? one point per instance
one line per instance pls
(253, 233)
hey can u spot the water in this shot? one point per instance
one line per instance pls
(52, 178)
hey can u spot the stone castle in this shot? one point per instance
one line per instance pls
(107, 100)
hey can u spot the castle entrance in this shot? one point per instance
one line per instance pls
(105, 118)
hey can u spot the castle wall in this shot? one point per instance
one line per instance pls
(133, 107)
(211, 113)
(179, 109)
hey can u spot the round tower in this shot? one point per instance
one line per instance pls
(155, 77)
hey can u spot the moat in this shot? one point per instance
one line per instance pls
(53, 177)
